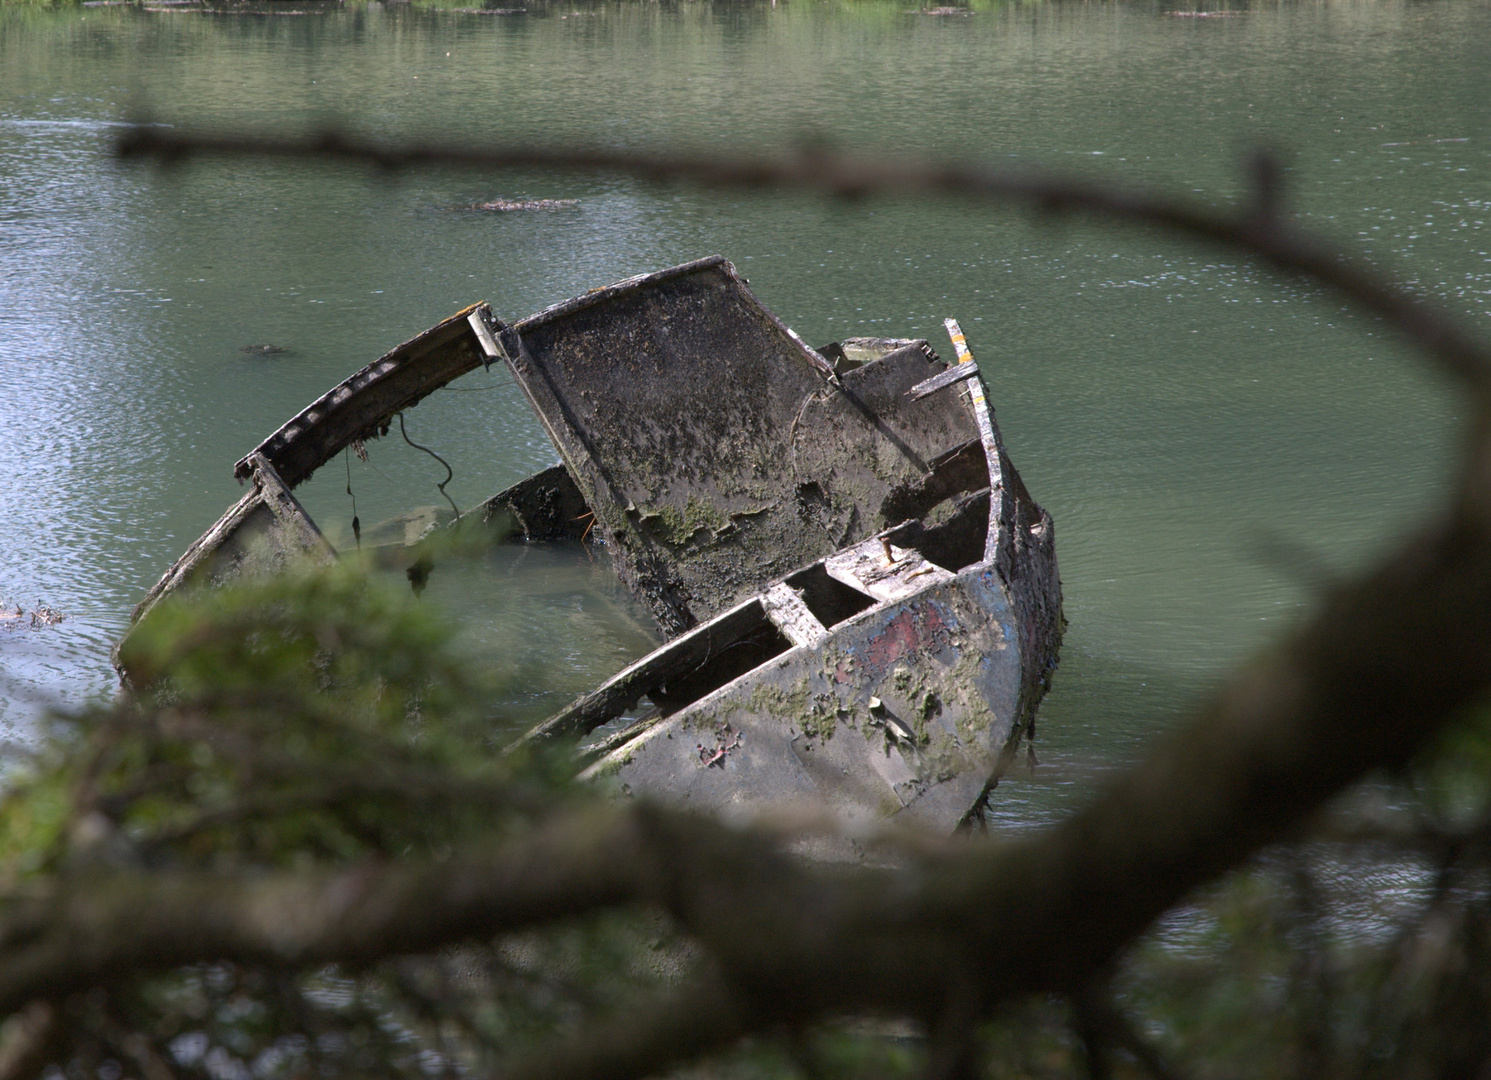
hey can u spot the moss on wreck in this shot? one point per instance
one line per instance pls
(679, 528)
(710, 717)
(977, 717)
(819, 725)
(676, 527)
(795, 703)
(609, 768)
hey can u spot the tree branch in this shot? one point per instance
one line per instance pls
(1388, 660)
(1385, 664)
(1258, 229)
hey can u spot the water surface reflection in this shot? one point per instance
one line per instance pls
(1184, 417)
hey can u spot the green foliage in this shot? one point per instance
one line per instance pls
(308, 719)
(303, 718)
(315, 718)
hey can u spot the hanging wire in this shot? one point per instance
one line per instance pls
(356, 525)
(449, 472)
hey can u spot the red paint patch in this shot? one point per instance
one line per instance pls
(908, 633)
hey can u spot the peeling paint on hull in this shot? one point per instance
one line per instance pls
(809, 734)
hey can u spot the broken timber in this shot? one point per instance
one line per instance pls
(903, 652)
(860, 594)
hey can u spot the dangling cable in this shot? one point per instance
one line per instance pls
(356, 525)
(449, 472)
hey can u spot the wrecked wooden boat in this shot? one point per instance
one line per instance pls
(859, 595)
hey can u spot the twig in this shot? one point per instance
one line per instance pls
(1258, 229)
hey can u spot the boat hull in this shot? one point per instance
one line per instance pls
(905, 710)
(861, 596)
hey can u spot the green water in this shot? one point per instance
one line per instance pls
(1184, 416)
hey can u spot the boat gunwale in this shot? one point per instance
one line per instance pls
(555, 726)
(648, 727)
(367, 380)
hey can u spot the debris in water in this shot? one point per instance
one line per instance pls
(39, 616)
(264, 350)
(504, 206)
(419, 573)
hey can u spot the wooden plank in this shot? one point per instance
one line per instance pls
(955, 374)
(483, 332)
(878, 568)
(786, 609)
(680, 656)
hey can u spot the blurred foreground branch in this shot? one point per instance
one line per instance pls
(1260, 228)
(1363, 686)
(1388, 660)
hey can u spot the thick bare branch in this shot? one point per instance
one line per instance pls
(1388, 660)
(100, 927)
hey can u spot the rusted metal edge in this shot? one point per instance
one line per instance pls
(361, 406)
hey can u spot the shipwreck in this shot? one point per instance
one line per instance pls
(858, 596)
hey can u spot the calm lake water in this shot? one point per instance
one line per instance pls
(1185, 417)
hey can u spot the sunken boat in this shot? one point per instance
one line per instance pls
(858, 596)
